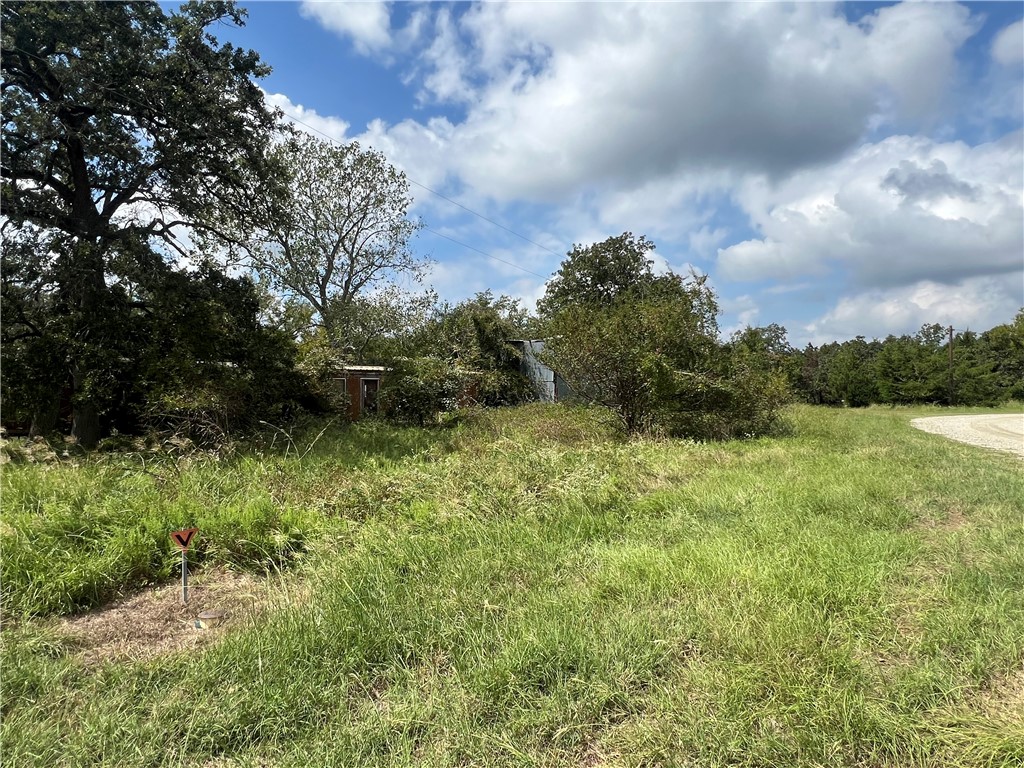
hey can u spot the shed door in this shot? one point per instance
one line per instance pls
(369, 389)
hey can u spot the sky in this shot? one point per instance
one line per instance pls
(841, 169)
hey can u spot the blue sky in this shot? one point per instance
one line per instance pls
(840, 169)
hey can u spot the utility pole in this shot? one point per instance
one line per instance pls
(951, 365)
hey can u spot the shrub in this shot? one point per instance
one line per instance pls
(418, 390)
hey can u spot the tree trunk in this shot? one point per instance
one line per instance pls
(91, 290)
(44, 418)
(85, 418)
(85, 427)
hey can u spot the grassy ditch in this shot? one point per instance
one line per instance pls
(526, 589)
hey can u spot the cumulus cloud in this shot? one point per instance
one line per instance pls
(935, 182)
(418, 149)
(890, 214)
(563, 96)
(367, 24)
(974, 303)
(1008, 45)
(745, 311)
(672, 119)
(445, 64)
(910, 48)
(333, 127)
(633, 112)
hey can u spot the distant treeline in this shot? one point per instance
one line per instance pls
(981, 369)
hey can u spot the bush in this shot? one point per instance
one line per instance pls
(418, 390)
(658, 364)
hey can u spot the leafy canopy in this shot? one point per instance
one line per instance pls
(341, 230)
(646, 346)
(600, 274)
(125, 128)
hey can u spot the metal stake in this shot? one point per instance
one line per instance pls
(184, 577)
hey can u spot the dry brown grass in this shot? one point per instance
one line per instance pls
(154, 621)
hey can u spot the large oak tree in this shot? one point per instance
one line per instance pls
(123, 124)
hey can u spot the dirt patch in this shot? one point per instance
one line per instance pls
(154, 621)
(592, 758)
(1004, 694)
(953, 521)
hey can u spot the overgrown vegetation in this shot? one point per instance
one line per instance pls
(530, 588)
(647, 347)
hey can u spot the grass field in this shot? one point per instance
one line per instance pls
(527, 589)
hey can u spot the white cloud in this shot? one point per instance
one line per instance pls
(566, 96)
(1008, 46)
(630, 113)
(911, 49)
(743, 308)
(646, 116)
(368, 24)
(416, 148)
(333, 127)
(974, 303)
(445, 64)
(705, 241)
(892, 213)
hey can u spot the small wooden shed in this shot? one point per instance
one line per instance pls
(362, 383)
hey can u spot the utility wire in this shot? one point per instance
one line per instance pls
(443, 197)
(482, 253)
(330, 138)
(481, 216)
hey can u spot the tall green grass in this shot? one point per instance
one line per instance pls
(75, 535)
(525, 589)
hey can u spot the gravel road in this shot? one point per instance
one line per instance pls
(1003, 432)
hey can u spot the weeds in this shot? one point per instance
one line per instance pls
(517, 592)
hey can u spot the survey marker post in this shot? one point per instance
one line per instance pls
(183, 539)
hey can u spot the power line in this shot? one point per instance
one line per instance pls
(330, 138)
(443, 197)
(482, 253)
(480, 215)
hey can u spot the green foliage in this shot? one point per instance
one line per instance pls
(320, 363)
(417, 390)
(908, 370)
(987, 368)
(646, 346)
(383, 325)
(190, 355)
(339, 231)
(600, 273)
(476, 335)
(642, 359)
(743, 397)
(1005, 344)
(100, 139)
(851, 378)
(209, 357)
